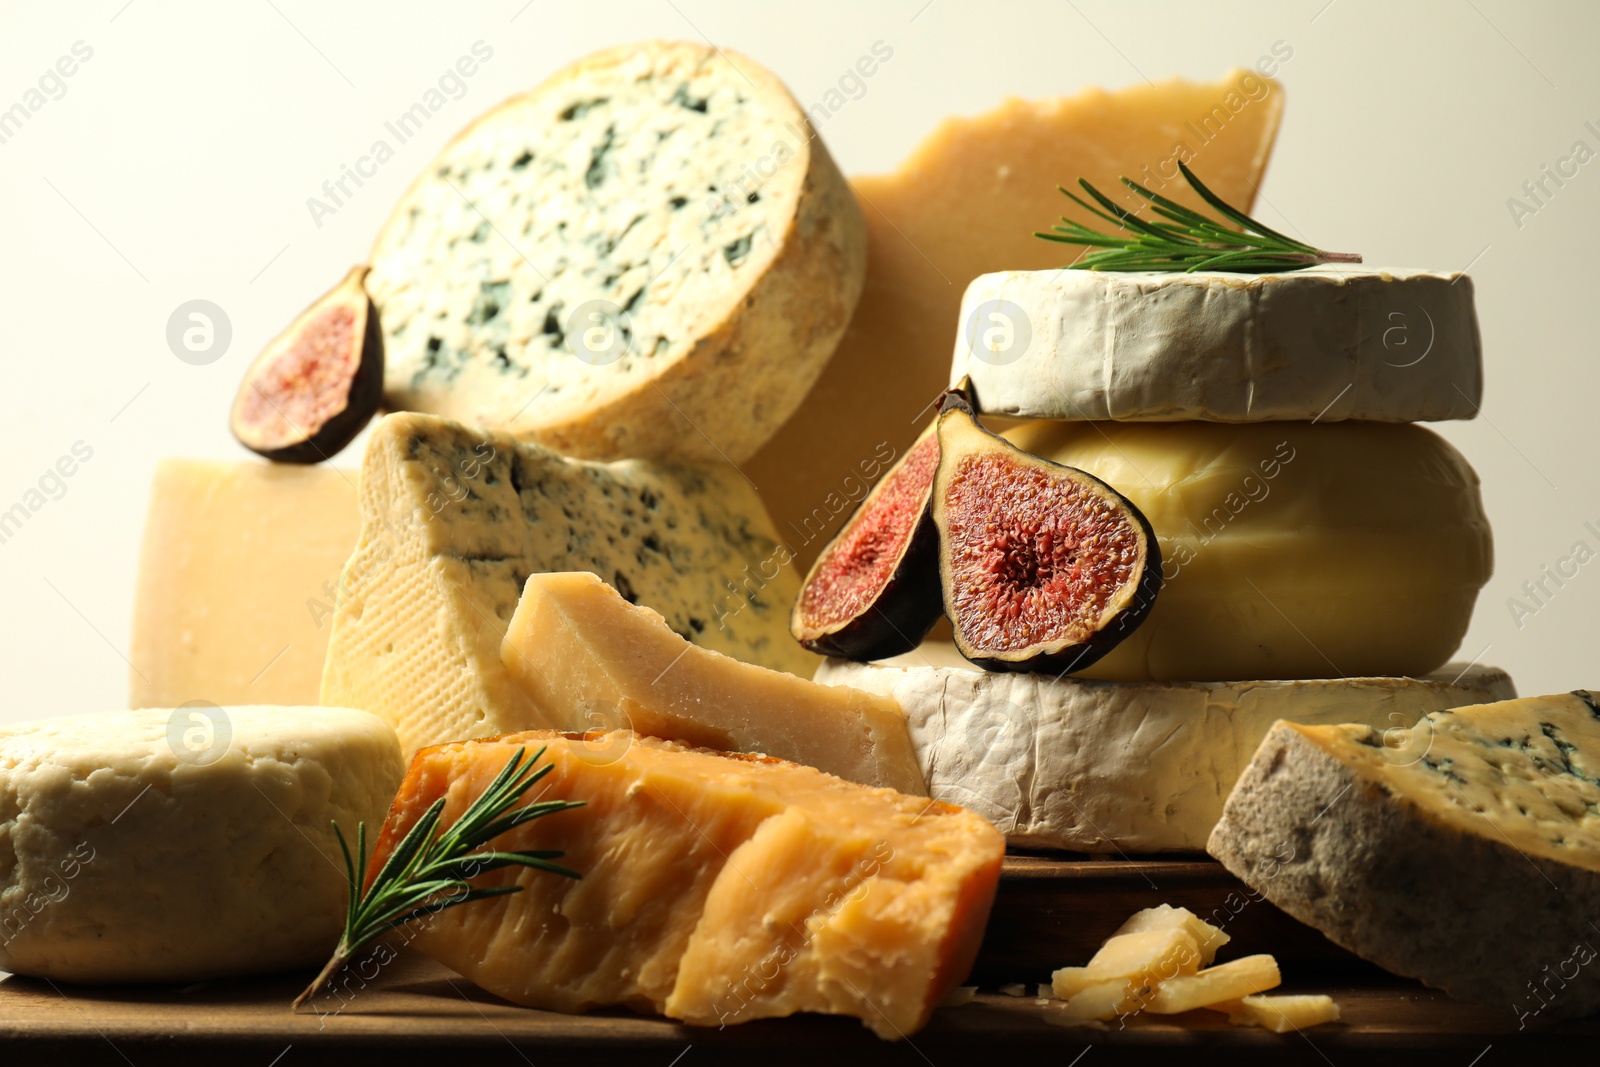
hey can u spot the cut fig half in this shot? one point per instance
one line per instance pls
(874, 590)
(314, 387)
(1041, 566)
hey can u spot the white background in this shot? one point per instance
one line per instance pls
(178, 162)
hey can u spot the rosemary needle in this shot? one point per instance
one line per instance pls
(1187, 241)
(428, 872)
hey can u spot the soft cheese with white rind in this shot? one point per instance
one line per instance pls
(1327, 343)
(1289, 550)
(181, 845)
(454, 521)
(651, 254)
(1463, 852)
(1097, 766)
(589, 660)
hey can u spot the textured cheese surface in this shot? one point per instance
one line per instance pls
(715, 889)
(965, 202)
(651, 254)
(1463, 852)
(176, 846)
(588, 660)
(455, 520)
(1290, 550)
(236, 582)
(1097, 766)
(1327, 343)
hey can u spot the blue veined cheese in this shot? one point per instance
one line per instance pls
(178, 845)
(454, 520)
(1126, 767)
(649, 255)
(1464, 852)
(1328, 343)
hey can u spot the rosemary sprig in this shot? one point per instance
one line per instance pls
(1188, 241)
(428, 872)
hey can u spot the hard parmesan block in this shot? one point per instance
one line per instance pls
(1327, 343)
(236, 582)
(716, 889)
(589, 660)
(177, 845)
(453, 522)
(965, 202)
(649, 255)
(1463, 853)
(1097, 766)
(1290, 549)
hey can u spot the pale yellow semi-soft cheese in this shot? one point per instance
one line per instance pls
(1290, 549)
(237, 582)
(716, 889)
(587, 659)
(455, 520)
(965, 202)
(179, 845)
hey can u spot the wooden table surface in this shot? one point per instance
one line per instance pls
(416, 1008)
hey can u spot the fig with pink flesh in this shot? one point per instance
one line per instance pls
(314, 387)
(874, 590)
(1041, 566)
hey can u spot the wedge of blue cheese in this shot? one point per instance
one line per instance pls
(649, 255)
(454, 520)
(1464, 852)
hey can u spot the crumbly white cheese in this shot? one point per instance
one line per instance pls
(455, 520)
(1464, 851)
(651, 254)
(178, 845)
(1099, 766)
(1326, 343)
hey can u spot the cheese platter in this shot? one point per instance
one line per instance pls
(1107, 697)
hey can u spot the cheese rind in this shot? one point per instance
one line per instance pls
(716, 889)
(1466, 857)
(651, 254)
(455, 520)
(1290, 549)
(1327, 343)
(588, 659)
(236, 582)
(1099, 766)
(967, 201)
(179, 845)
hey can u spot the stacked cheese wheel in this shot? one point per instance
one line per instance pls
(1321, 553)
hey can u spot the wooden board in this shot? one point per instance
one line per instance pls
(1051, 911)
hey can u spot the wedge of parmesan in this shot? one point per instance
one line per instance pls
(589, 660)
(715, 889)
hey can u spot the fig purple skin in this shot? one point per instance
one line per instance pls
(313, 388)
(1042, 567)
(874, 590)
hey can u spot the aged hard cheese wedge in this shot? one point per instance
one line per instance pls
(1290, 550)
(1099, 766)
(1466, 856)
(965, 202)
(588, 659)
(716, 889)
(455, 520)
(651, 254)
(179, 845)
(237, 581)
(1325, 343)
